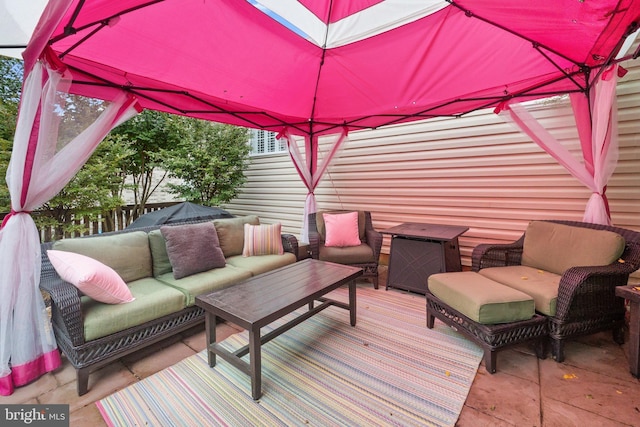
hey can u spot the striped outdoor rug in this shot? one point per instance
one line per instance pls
(389, 370)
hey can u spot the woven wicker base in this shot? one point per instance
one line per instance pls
(91, 356)
(490, 337)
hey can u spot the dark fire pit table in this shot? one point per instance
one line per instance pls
(258, 301)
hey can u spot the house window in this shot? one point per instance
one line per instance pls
(265, 142)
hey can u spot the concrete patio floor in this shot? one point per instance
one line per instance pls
(592, 387)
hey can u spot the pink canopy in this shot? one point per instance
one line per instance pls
(316, 66)
(298, 67)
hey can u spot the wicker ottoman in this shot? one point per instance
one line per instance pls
(490, 314)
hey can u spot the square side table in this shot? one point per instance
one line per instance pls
(419, 250)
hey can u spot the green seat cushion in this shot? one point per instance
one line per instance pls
(361, 254)
(159, 255)
(261, 263)
(231, 233)
(557, 247)
(481, 299)
(127, 253)
(152, 300)
(205, 282)
(541, 285)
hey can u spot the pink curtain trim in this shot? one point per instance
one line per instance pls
(50, 19)
(31, 153)
(311, 153)
(6, 386)
(24, 374)
(582, 114)
(9, 215)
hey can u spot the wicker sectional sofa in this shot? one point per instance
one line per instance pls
(92, 334)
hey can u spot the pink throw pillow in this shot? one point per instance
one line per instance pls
(91, 277)
(341, 230)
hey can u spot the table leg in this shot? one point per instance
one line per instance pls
(256, 363)
(634, 338)
(352, 302)
(210, 331)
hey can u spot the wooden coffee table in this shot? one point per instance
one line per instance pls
(262, 299)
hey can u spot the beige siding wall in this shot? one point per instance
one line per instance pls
(474, 171)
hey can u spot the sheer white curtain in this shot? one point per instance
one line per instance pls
(309, 171)
(596, 122)
(38, 171)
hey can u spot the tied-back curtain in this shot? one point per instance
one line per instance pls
(38, 170)
(309, 171)
(599, 140)
(596, 122)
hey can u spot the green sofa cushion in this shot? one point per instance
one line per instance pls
(259, 264)
(481, 299)
(541, 285)
(127, 253)
(152, 300)
(231, 233)
(205, 282)
(159, 255)
(557, 247)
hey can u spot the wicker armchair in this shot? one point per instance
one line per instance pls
(586, 295)
(365, 256)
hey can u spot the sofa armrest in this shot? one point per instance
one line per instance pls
(590, 290)
(314, 237)
(290, 244)
(374, 240)
(497, 255)
(314, 244)
(66, 307)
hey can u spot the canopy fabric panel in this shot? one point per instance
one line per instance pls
(317, 66)
(17, 22)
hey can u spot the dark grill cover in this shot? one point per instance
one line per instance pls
(185, 211)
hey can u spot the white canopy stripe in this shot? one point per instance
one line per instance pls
(369, 22)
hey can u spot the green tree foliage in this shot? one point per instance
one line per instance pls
(210, 162)
(146, 135)
(10, 89)
(87, 195)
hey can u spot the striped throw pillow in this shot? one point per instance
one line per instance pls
(262, 239)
